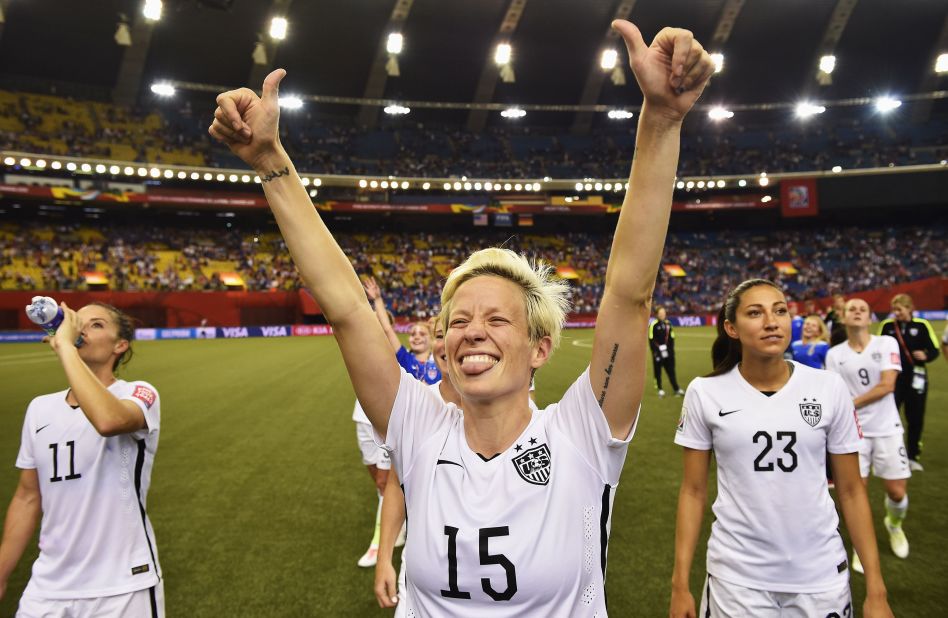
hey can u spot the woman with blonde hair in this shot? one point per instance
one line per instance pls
(509, 509)
(813, 345)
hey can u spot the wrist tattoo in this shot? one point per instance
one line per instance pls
(275, 174)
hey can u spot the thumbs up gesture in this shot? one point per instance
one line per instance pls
(672, 71)
(248, 123)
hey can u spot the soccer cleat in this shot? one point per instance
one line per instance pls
(897, 539)
(915, 466)
(856, 564)
(400, 539)
(370, 557)
(679, 393)
(661, 393)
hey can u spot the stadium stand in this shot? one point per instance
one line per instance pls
(412, 266)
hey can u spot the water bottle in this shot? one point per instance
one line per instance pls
(45, 312)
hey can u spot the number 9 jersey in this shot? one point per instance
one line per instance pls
(95, 538)
(775, 525)
(862, 371)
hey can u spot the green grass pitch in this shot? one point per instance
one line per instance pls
(261, 504)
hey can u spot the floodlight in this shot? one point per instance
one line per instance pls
(609, 59)
(503, 53)
(887, 104)
(278, 27)
(152, 10)
(394, 43)
(719, 113)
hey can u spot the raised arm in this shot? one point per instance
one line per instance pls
(109, 415)
(375, 297)
(672, 73)
(248, 124)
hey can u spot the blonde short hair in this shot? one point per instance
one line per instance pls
(546, 299)
(903, 300)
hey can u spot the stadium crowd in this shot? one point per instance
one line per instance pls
(176, 134)
(412, 267)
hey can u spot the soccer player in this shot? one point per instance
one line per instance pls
(509, 510)
(393, 511)
(86, 456)
(661, 340)
(813, 345)
(870, 366)
(774, 548)
(918, 346)
(419, 362)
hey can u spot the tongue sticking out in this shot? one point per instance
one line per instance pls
(477, 364)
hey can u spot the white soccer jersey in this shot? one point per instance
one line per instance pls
(521, 534)
(95, 538)
(862, 371)
(775, 522)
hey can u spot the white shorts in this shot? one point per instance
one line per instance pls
(147, 603)
(722, 599)
(372, 453)
(885, 456)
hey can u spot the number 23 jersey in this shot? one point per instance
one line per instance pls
(95, 538)
(775, 525)
(521, 534)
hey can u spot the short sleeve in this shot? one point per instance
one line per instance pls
(845, 433)
(25, 459)
(692, 430)
(831, 361)
(417, 414)
(145, 396)
(580, 420)
(406, 360)
(891, 355)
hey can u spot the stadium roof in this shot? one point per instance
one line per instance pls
(771, 48)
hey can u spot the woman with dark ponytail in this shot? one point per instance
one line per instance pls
(774, 546)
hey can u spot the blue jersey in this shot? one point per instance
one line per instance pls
(427, 371)
(796, 329)
(812, 355)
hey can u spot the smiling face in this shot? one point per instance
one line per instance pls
(811, 328)
(419, 339)
(762, 322)
(488, 348)
(101, 343)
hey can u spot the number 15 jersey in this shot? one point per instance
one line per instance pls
(522, 534)
(775, 522)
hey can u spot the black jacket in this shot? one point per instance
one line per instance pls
(916, 334)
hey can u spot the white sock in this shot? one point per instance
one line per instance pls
(896, 510)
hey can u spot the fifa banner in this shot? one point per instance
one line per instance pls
(798, 197)
(21, 336)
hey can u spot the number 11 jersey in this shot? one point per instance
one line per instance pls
(523, 533)
(95, 538)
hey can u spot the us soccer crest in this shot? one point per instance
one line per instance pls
(877, 357)
(534, 465)
(811, 412)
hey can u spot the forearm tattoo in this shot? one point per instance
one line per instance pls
(612, 363)
(275, 174)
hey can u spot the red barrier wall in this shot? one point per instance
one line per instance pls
(927, 294)
(169, 309)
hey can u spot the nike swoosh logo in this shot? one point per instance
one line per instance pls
(43, 427)
(445, 461)
(723, 413)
